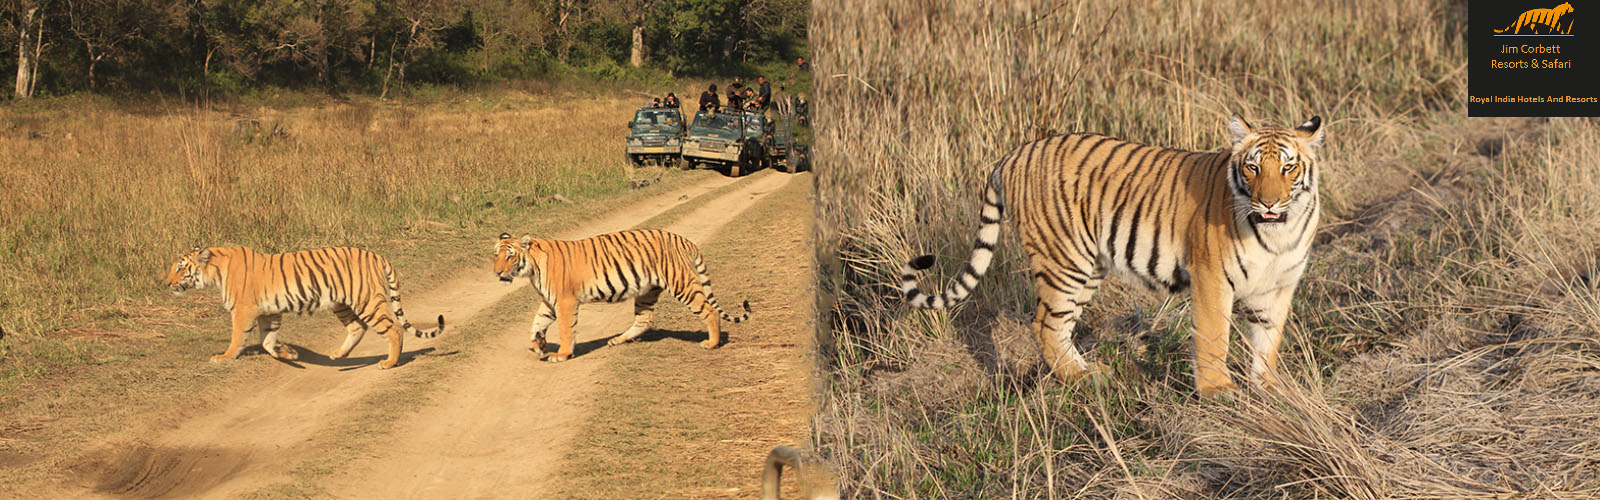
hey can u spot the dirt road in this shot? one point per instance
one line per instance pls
(487, 416)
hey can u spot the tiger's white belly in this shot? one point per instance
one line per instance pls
(281, 304)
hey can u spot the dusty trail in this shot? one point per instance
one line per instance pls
(504, 431)
(254, 438)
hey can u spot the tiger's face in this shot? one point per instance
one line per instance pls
(189, 271)
(1272, 169)
(511, 257)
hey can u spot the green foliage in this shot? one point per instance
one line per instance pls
(219, 48)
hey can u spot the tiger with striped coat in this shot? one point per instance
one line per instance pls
(1234, 226)
(612, 267)
(257, 288)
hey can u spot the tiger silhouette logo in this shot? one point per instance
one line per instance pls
(1550, 18)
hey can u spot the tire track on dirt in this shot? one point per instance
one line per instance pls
(252, 438)
(504, 432)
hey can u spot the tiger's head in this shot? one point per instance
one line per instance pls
(1272, 169)
(1564, 8)
(511, 257)
(192, 270)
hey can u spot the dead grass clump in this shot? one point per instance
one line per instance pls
(1442, 342)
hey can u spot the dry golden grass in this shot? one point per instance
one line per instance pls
(1442, 343)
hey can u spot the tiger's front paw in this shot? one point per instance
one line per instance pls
(710, 343)
(617, 340)
(287, 353)
(557, 357)
(222, 357)
(387, 364)
(1226, 389)
(1072, 373)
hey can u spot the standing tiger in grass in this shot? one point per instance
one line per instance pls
(611, 267)
(358, 285)
(1234, 225)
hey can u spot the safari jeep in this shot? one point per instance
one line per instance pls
(757, 141)
(786, 153)
(722, 139)
(655, 136)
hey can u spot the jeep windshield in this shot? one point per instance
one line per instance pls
(656, 120)
(754, 125)
(718, 125)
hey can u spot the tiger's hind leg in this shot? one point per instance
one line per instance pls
(353, 327)
(268, 325)
(376, 313)
(696, 298)
(1062, 295)
(643, 316)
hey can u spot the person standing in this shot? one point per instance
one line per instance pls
(671, 101)
(709, 101)
(735, 99)
(764, 95)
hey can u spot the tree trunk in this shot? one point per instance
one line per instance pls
(389, 72)
(92, 60)
(404, 58)
(637, 59)
(38, 46)
(24, 55)
(563, 11)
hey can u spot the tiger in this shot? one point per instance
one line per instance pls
(813, 477)
(257, 288)
(611, 267)
(1548, 17)
(1235, 226)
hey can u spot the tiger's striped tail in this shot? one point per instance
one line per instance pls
(711, 298)
(394, 305)
(982, 255)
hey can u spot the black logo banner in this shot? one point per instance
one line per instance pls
(1533, 58)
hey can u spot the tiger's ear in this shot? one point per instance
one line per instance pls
(205, 256)
(1238, 128)
(505, 236)
(1311, 131)
(527, 242)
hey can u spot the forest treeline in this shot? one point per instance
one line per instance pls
(209, 47)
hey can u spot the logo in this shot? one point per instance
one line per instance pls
(1532, 20)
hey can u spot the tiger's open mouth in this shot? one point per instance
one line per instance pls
(1269, 217)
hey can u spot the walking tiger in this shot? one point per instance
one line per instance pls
(611, 267)
(257, 288)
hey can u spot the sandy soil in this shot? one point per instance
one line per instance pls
(497, 429)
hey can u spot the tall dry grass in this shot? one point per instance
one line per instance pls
(1442, 343)
(99, 198)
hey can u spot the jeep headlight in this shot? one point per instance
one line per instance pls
(634, 141)
(672, 141)
(691, 143)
